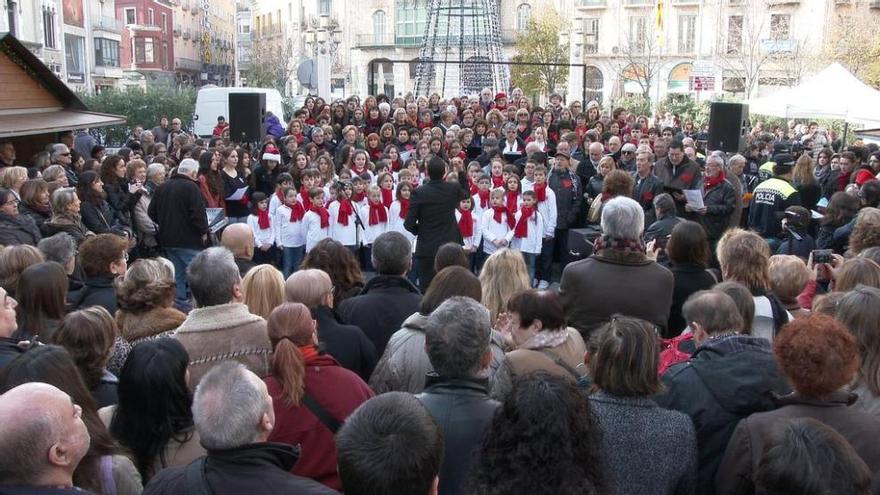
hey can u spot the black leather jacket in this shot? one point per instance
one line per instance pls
(463, 410)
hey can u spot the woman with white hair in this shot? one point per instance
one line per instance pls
(719, 200)
(618, 277)
(146, 227)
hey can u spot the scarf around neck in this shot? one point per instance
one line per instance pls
(322, 213)
(710, 182)
(521, 230)
(378, 213)
(626, 245)
(297, 212)
(263, 219)
(501, 211)
(387, 197)
(404, 207)
(466, 223)
(345, 211)
(540, 191)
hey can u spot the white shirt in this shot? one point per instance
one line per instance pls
(472, 242)
(261, 236)
(344, 234)
(274, 203)
(477, 209)
(532, 242)
(526, 184)
(313, 230)
(371, 232)
(287, 233)
(492, 230)
(395, 224)
(547, 209)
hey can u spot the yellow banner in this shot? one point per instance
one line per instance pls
(661, 33)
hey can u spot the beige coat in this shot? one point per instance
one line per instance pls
(227, 332)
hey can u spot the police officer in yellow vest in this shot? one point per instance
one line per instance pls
(771, 198)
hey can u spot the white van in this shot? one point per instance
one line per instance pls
(214, 102)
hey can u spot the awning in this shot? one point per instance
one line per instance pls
(30, 123)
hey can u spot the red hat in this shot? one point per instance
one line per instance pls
(498, 96)
(271, 149)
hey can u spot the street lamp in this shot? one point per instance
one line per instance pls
(322, 43)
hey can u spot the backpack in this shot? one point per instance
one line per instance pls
(671, 354)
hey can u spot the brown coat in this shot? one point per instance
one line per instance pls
(740, 462)
(523, 361)
(137, 327)
(613, 281)
(227, 332)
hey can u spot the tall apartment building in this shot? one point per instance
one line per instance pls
(77, 39)
(147, 49)
(204, 42)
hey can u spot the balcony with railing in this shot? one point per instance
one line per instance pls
(105, 23)
(638, 3)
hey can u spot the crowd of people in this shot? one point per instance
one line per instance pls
(380, 313)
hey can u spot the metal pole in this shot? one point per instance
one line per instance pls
(845, 130)
(584, 88)
(371, 78)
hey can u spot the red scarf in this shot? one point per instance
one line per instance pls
(280, 195)
(466, 223)
(404, 207)
(263, 218)
(310, 352)
(710, 182)
(497, 181)
(540, 192)
(395, 165)
(510, 200)
(345, 211)
(499, 212)
(323, 213)
(306, 200)
(387, 197)
(358, 197)
(484, 198)
(297, 212)
(472, 186)
(521, 230)
(378, 214)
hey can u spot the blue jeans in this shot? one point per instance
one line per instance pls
(181, 258)
(291, 257)
(530, 264)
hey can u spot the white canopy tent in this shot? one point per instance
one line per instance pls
(833, 93)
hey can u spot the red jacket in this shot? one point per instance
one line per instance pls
(339, 392)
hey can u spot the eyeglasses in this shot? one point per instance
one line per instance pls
(11, 202)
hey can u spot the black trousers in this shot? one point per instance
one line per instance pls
(425, 267)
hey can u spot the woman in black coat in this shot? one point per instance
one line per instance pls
(719, 201)
(35, 202)
(688, 252)
(96, 213)
(119, 195)
(15, 228)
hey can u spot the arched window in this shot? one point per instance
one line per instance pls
(523, 12)
(594, 83)
(379, 26)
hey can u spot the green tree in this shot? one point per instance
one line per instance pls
(540, 44)
(140, 107)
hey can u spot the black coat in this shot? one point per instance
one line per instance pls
(121, 201)
(346, 343)
(230, 185)
(265, 179)
(97, 291)
(20, 229)
(431, 214)
(688, 278)
(661, 228)
(569, 201)
(644, 191)
(40, 218)
(178, 207)
(9, 350)
(258, 468)
(98, 218)
(720, 201)
(463, 411)
(380, 309)
(725, 381)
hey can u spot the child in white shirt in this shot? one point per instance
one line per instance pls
(528, 232)
(289, 234)
(344, 218)
(545, 199)
(316, 222)
(496, 224)
(284, 181)
(469, 227)
(260, 223)
(375, 218)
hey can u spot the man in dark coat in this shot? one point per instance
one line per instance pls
(389, 298)
(569, 202)
(457, 344)
(346, 343)
(431, 216)
(229, 401)
(678, 172)
(664, 210)
(729, 377)
(647, 186)
(178, 208)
